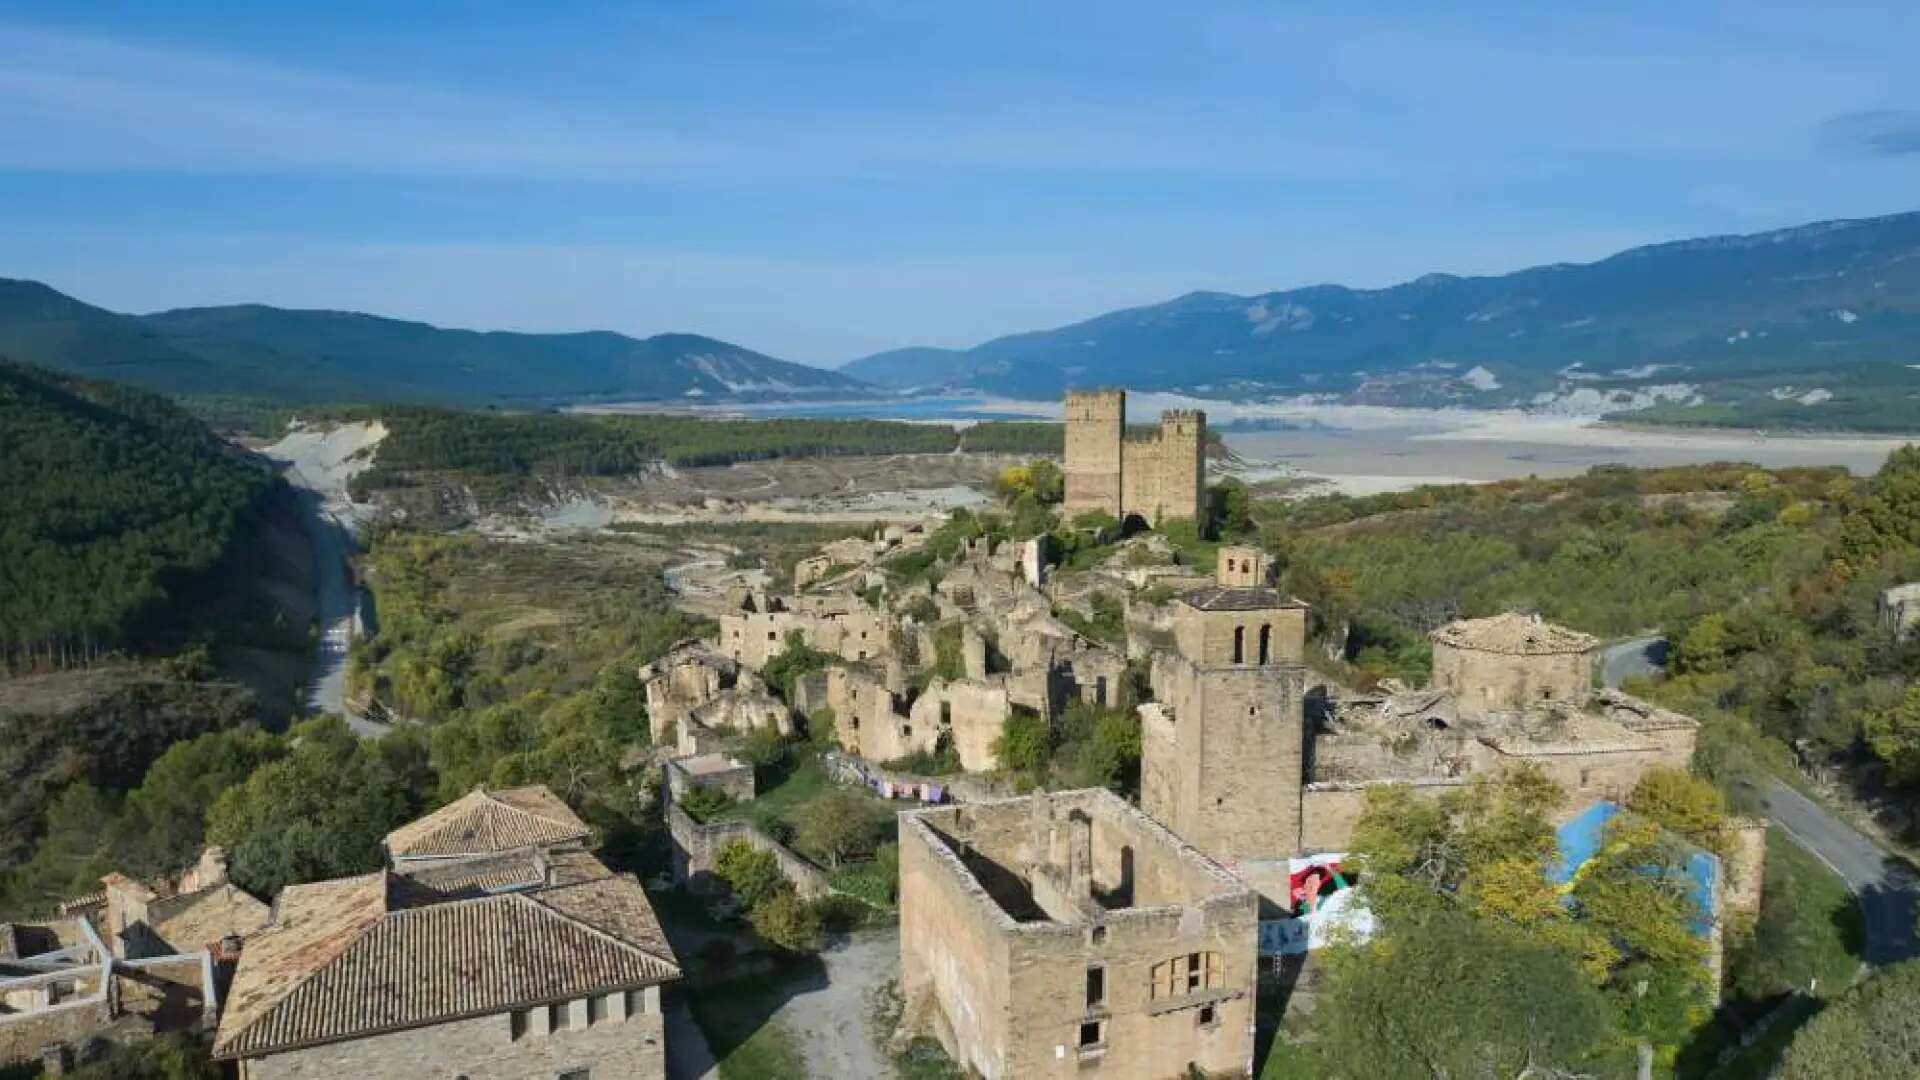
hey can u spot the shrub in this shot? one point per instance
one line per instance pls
(752, 874)
(786, 921)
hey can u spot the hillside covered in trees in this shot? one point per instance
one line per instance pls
(505, 446)
(117, 502)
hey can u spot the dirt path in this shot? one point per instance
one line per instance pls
(832, 1022)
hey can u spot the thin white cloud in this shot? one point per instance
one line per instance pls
(76, 102)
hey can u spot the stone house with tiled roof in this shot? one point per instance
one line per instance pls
(496, 948)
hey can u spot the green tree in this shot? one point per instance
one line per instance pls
(1022, 745)
(1705, 645)
(838, 826)
(1229, 509)
(1685, 804)
(1048, 483)
(751, 873)
(1871, 1030)
(797, 660)
(785, 920)
(167, 1057)
(1510, 1006)
(319, 812)
(169, 808)
(1893, 734)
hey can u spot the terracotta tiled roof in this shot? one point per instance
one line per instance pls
(197, 920)
(1513, 633)
(483, 821)
(346, 964)
(313, 925)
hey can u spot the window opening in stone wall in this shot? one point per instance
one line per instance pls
(1207, 1016)
(517, 1025)
(636, 1002)
(597, 1009)
(1266, 644)
(1096, 987)
(1239, 644)
(1100, 691)
(1090, 1033)
(557, 1017)
(1184, 975)
(576, 1074)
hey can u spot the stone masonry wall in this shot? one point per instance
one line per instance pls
(1223, 763)
(1501, 682)
(1159, 478)
(619, 1047)
(1144, 1038)
(953, 956)
(696, 846)
(1095, 422)
(23, 1036)
(1207, 637)
(975, 712)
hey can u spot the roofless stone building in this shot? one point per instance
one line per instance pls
(1066, 935)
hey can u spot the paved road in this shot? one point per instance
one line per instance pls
(1639, 656)
(1884, 882)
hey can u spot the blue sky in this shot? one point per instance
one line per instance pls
(822, 180)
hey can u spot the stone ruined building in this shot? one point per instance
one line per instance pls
(131, 961)
(496, 947)
(1246, 755)
(1157, 479)
(706, 697)
(840, 623)
(1506, 689)
(1899, 608)
(1067, 934)
(855, 553)
(1016, 655)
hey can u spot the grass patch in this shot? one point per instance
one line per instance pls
(1810, 931)
(776, 806)
(737, 1019)
(1810, 934)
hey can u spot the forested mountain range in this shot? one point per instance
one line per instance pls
(1833, 305)
(285, 355)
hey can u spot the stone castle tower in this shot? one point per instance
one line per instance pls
(1161, 478)
(1224, 745)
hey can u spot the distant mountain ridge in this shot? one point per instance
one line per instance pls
(1796, 301)
(301, 355)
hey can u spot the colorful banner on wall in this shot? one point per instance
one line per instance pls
(1326, 908)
